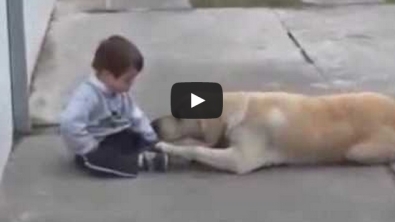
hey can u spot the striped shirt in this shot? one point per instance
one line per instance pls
(94, 112)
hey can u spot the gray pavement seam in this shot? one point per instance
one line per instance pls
(302, 51)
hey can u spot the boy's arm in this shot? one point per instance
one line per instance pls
(142, 125)
(74, 122)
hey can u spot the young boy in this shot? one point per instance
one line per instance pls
(105, 129)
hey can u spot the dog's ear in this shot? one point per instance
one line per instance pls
(180, 105)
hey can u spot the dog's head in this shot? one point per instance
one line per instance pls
(172, 129)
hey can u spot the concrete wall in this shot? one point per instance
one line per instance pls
(36, 15)
(5, 90)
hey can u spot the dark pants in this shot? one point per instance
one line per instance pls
(117, 155)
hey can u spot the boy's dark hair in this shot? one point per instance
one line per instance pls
(116, 54)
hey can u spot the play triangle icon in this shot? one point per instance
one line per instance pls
(196, 100)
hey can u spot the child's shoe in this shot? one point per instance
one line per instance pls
(153, 161)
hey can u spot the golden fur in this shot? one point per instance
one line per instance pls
(266, 128)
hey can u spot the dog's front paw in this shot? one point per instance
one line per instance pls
(171, 149)
(163, 146)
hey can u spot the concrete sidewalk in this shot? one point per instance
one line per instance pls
(353, 47)
(40, 185)
(240, 49)
(312, 51)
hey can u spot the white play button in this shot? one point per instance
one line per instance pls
(206, 100)
(195, 100)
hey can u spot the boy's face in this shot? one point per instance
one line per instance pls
(120, 84)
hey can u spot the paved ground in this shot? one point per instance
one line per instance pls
(312, 51)
(353, 47)
(39, 186)
(240, 49)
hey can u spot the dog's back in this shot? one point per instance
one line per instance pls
(320, 127)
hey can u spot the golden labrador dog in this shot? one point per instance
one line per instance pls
(258, 129)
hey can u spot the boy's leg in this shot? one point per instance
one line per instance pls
(149, 159)
(79, 161)
(124, 154)
(111, 157)
(153, 160)
(106, 160)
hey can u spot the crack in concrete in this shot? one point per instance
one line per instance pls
(302, 51)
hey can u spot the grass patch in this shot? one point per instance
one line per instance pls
(390, 1)
(246, 3)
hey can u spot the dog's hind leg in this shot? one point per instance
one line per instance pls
(371, 153)
(379, 149)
